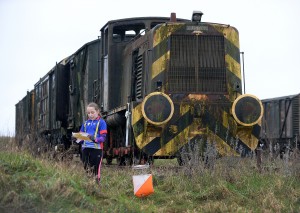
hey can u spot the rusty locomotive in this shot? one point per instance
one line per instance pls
(162, 83)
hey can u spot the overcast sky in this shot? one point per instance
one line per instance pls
(35, 34)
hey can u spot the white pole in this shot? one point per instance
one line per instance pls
(127, 115)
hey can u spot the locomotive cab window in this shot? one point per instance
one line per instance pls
(125, 33)
(124, 36)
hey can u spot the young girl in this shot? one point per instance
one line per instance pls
(96, 128)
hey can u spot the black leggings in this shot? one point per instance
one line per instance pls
(91, 158)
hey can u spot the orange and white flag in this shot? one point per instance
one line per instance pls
(143, 185)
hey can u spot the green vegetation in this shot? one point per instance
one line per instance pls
(37, 184)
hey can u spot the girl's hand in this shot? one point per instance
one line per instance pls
(92, 137)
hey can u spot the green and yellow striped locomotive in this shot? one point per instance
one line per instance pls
(162, 83)
(186, 86)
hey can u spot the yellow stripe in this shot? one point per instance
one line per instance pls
(136, 114)
(139, 141)
(243, 133)
(164, 32)
(160, 35)
(248, 138)
(95, 135)
(160, 64)
(233, 66)
(230, 33)
(174, 145)
(223, 148)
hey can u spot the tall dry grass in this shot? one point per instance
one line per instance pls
(32, 183)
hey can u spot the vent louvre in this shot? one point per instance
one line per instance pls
(139, 75)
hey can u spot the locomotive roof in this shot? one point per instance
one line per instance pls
(140, 19)
(78, 50)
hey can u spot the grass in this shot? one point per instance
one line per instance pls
(37, 184)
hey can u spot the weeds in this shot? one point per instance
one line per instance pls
(204, 183)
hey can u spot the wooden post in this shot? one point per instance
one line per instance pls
(259, 158)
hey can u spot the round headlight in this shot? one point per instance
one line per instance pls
(247, 110)
(157, 108)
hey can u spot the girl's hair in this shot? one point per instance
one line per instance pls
(92, 104)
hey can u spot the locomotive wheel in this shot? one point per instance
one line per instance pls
(180, 161)
(109, 160)
(151, 160)
(124, 160)
(135, 160)
(146, 160)
(183, 160)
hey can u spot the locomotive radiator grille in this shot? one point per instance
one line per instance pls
(197, 64)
